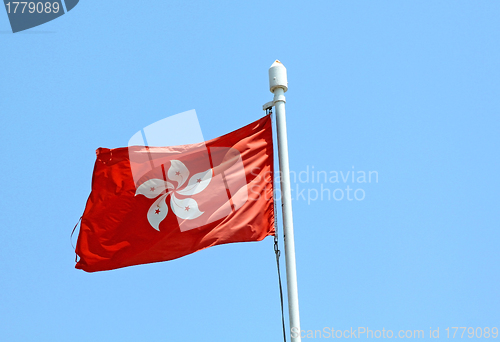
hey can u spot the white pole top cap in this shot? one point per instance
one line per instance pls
(277, 77)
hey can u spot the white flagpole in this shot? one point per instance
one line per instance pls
(278, 85)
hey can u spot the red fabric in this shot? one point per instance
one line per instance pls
(115, 229)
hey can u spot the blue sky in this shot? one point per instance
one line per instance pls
(407, 89)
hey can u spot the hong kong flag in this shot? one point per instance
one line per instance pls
(151, 204)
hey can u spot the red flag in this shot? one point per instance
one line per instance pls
(151, 204)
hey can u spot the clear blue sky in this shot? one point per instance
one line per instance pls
(409, 89)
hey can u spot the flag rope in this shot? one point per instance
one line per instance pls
(277, 251)
(71, 237)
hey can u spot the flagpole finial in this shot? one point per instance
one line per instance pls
(277, 77)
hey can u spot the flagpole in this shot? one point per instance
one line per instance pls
(278, 85)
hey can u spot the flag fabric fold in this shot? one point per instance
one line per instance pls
(152, 204)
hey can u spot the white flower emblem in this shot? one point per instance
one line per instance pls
(187, 208)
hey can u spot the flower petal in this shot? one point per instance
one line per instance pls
(153, 187)
(158, 212)
(186, 209)
(178, 172)
(197, 183)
